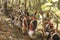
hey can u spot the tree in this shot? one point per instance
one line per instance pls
(5, 7)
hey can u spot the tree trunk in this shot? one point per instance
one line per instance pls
(5, 7)
(57, 26)
(25, 4)
(19, 2)
(59, 4)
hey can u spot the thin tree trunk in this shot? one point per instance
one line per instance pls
(57, 26)
(59, 4)
(5, 6)
(30, 5)
(25, 4)
(19, 2)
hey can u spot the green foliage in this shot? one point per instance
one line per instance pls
(41, 1)
(49, 0)
(46, 6)
(58, 13)
(54, 9)
(43, 5)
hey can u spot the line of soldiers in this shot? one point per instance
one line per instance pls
(28, 23)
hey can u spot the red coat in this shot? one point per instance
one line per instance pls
(31, 26)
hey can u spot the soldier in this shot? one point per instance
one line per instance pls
(48, 27)
(32, 27)
(54, 35)
(24, 25)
